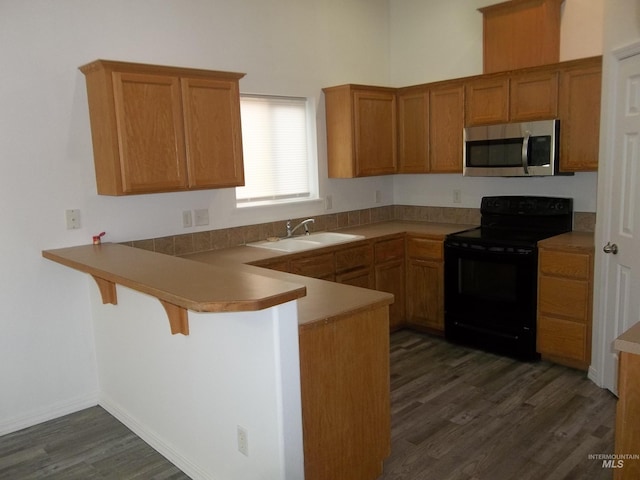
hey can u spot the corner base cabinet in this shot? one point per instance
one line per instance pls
(162, 129)
(425, 284)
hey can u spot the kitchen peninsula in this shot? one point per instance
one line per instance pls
(237, 365)
(257, 353)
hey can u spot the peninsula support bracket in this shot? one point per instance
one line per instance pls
(178, 316)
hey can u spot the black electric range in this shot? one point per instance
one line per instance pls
(491, 273)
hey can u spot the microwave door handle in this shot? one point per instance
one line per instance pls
(525, 152)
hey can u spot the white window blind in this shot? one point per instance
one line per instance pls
(275, 142)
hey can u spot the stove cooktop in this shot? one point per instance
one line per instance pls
(517, 221)
(501, 237)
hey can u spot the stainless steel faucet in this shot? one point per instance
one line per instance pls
(303, 223)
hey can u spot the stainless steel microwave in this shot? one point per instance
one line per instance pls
(526, 149)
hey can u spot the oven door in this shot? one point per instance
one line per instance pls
(490, 298)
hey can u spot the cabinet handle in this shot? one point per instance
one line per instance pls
(610, 248)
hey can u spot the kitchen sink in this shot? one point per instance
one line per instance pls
(306, 242)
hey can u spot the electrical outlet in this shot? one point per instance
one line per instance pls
(201, 217)
(243, 441)
(73, 219)
(457, 196)
(187, 220)
(378, 196)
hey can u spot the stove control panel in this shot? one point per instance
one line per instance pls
(526, 205)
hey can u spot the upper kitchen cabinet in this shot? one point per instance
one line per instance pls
(413, 130)
(361, 131)
(533, 95)
(512, 97)
(446, 121)
(579, 113)
(162, 129)
(487, 100)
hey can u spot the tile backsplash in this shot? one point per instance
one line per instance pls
(234, 236)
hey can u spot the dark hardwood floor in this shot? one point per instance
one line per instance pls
(463, 414)
(457, 414)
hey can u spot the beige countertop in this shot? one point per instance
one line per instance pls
(579, 241)
(191, 285)
(344, 299)
(222, 280)
(629, 341)
(244, 254)
(225, 280)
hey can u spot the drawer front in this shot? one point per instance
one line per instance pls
(425, 248)
(562, 338)
(564, 297)
(363, 277)
(388, 250)
(355, 257)
(317, 266)
(564, 264)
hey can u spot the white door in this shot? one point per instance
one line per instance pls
(618, 233)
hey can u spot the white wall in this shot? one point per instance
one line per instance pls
(292, 47)
(186, 395)
(435, 40)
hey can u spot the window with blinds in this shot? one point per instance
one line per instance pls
(279, 164)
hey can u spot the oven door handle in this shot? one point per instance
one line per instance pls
(525, 152)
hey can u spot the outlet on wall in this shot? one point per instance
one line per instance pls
(457, 196)
(201, 217)
(243, 441)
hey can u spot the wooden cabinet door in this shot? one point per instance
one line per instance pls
(389, 257)
(580, 90)
(487, 101)
(389, 277)
(413, 131)
(534, 96)
(345, 396)
(375, 132)
(150, 133)
(628, 415)
(213, 133)
(446, 121)
(425, 294)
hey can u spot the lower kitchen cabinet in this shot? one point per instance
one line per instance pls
(346, 418)
(425, 283)
(565, 292)
(315, 266)
(390, 276)
(628, 416)
(353, 266)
